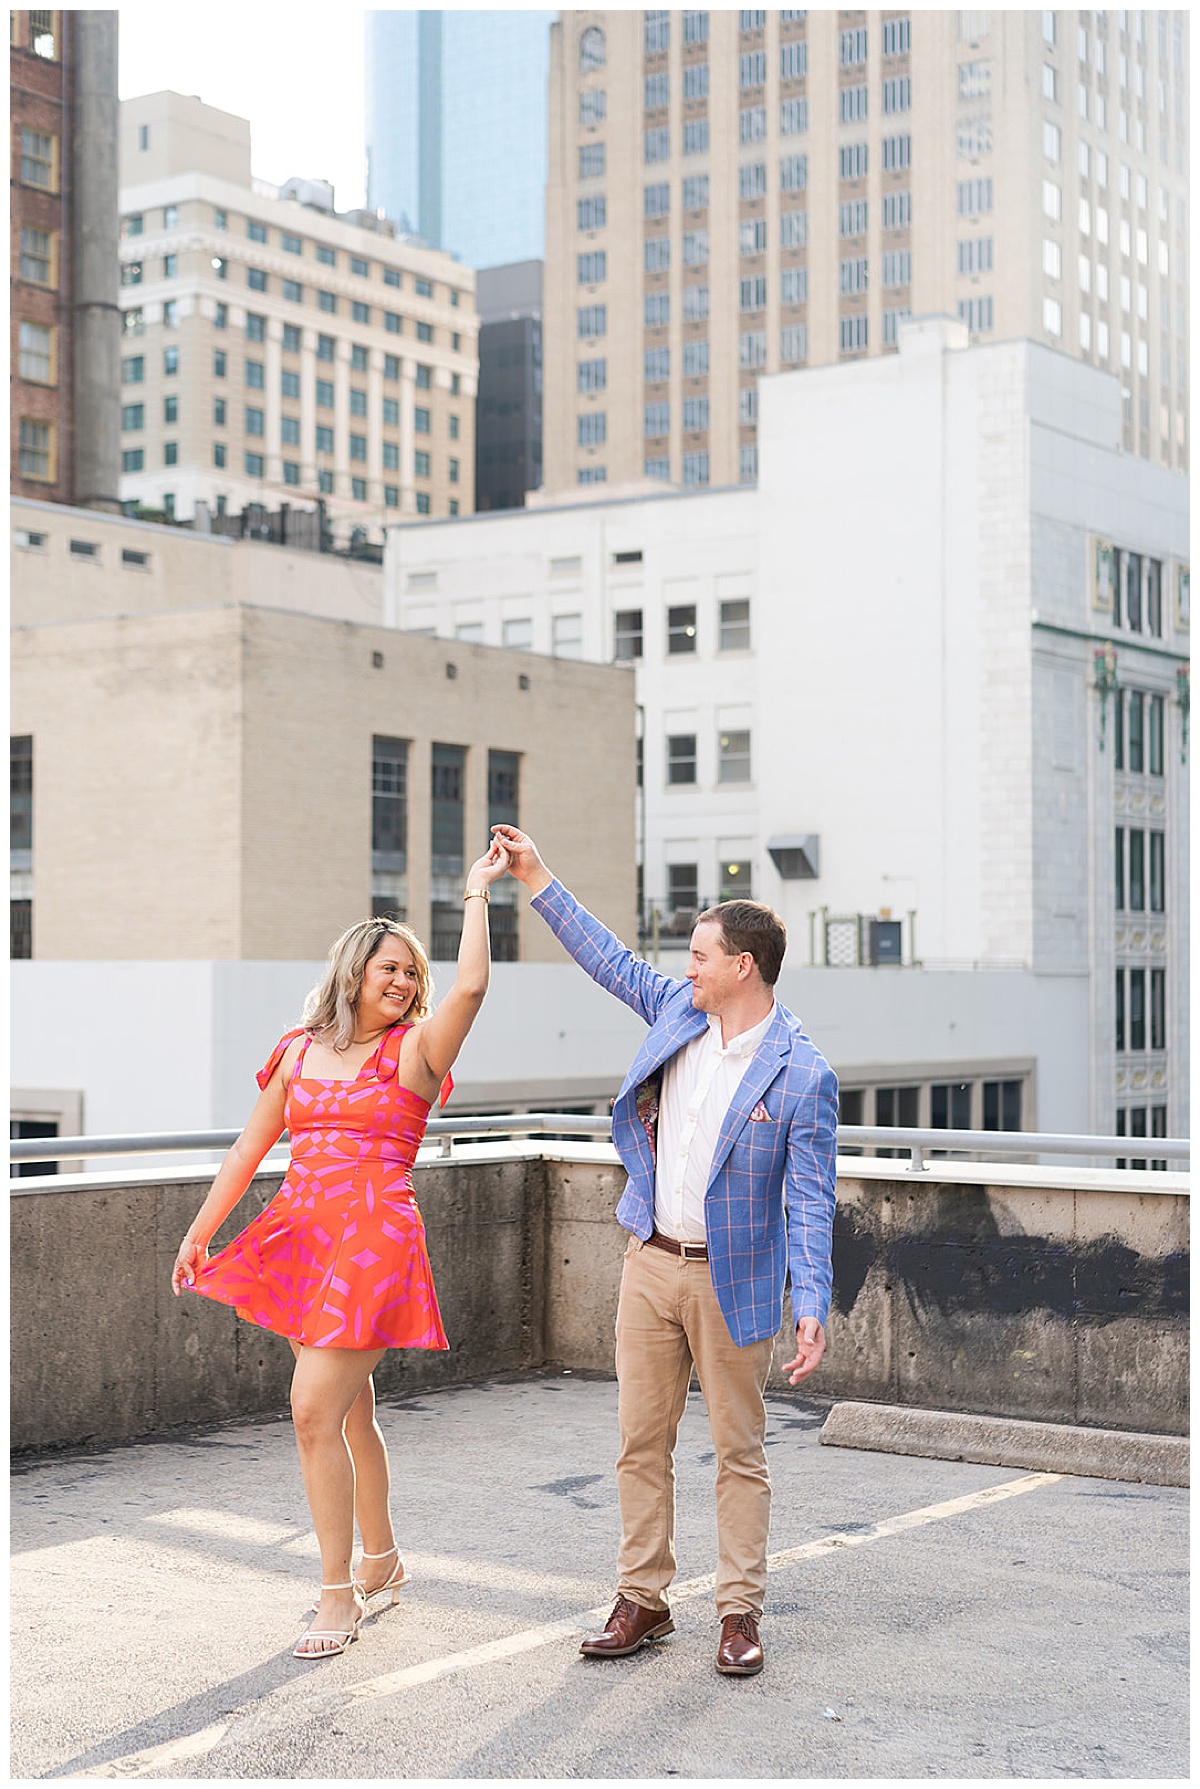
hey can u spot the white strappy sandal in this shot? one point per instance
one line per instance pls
(397, 1580)
(342, 1636)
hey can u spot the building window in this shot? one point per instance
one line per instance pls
(289, 431)
(133, 369)
(452, 427)
(734, 625)
(593, 106)
(325, 483)
(897, 210)
(747, 463)
(695, 415)
(681, 758)
(853, 334)
(657, 466)
(1158, 1013)
(1119, 869)
(748, 405)
(656, 420)
(36, 256)
(590, 214)
(171, 409)
(289, 385)
(424, 332)
(897, 268)
(976, 313)
(793, 117)
(897, 153)
(695, 136)
(221, 316)
(853, 104)
(256, 374)
(391, 496)
(567, 636)
(1158, 866)
(391, 368)
(358, 402)
(132, 459)
(1137, 870)
(793, 173)
(448, 810)
(897, 94)
(793, 285)
(1002, 1105)
(324, 442)
(591, 160)
(656, 32)
(291, 470)
(627, 634)
(421, 463)
(656, 253)
(733, 757)
(358, 489)
(39, 156)
(256, 327)
(256, 279)
(656, 144)
(359, 312)
(36, 353)
(793, 229)
(695, 359)
(681, 629)
(591, 375)
(324, 394)
(1137, 730)
(752, 240)
(36, 450)
(1137, 1009)
(591, 321)
(752, 124)
(421, 423)
(391, 456)
(852, 218)
(218, 453)
(656, 200)
(1119, 1013)
(590, 269)
(695, 304)
(1155, 716)
(358, 447)
(852, 276)
(591, 429)
(254, 465)
(752, 348)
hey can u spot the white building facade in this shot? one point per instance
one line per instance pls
(922, 690)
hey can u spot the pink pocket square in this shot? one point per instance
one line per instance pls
(760, 1115)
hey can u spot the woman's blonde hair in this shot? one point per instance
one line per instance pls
(330, 1009)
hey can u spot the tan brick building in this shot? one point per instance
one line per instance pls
(740, 192)
(202, 777)
(40, 333)
(277, 351)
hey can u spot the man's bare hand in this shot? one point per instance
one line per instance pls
(525, 862)
(810, 1346)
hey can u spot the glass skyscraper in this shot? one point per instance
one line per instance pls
(456, 129)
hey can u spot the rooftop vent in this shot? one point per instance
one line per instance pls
(796, 855)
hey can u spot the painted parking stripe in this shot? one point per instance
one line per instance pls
(270, 1709)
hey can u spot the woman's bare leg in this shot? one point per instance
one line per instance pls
(325, 1384)
(372, 1488)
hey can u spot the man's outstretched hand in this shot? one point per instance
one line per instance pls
(525, 862)
(810, 1346)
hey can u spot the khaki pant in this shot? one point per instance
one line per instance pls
(667, 1319)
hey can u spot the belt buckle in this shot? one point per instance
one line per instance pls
(694, 1251)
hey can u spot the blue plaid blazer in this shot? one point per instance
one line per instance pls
(770, 1199)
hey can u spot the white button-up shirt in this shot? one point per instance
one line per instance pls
(697, 1087)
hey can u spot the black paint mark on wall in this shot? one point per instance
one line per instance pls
(958, 1263)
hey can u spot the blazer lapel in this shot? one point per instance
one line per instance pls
(662, 1042)
(764, 1066)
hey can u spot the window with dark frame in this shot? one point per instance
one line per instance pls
(1154, 735)
(389, 803)
(1136, 754)
(681, 758)
(1119, 1013)
(681, 628)
(1158, 1011)
(1158, 867)
(1119, 869)
(1137, 870)
(1001, 1105)
(1137, 1010)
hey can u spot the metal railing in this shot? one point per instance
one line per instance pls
(985, 1144)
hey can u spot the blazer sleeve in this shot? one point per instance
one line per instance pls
(810, 1185)
(601, 954)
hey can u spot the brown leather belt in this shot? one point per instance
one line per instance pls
(691, 1251)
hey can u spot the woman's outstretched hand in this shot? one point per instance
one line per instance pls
(490, 867)
(191, 1258)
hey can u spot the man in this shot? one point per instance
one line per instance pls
(726, 1125)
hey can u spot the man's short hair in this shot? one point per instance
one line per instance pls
(750, 926)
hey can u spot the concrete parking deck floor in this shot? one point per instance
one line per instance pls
(925, 1619)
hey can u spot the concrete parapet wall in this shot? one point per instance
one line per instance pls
(1039, 1301)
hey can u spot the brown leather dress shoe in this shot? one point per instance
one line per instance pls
(740, 1652)
(629, 1626)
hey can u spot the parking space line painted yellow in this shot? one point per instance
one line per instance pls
(196, 1745)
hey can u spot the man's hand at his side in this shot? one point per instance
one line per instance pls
(810, 1346)
(525, 862)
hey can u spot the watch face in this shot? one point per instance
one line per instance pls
(591, 48)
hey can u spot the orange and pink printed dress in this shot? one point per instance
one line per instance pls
(338, 1258)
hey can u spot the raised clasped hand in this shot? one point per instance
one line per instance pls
(490, 867)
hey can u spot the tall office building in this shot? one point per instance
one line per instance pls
(456, 129)
(65, 341)
(508, 414)
(741, 192)
(276, 350)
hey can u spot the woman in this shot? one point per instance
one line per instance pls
(337, 1262)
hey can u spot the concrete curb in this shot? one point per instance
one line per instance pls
(1004, 1441)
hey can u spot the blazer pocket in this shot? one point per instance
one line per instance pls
(760, 1115)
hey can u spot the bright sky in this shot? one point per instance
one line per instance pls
(295, 71)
